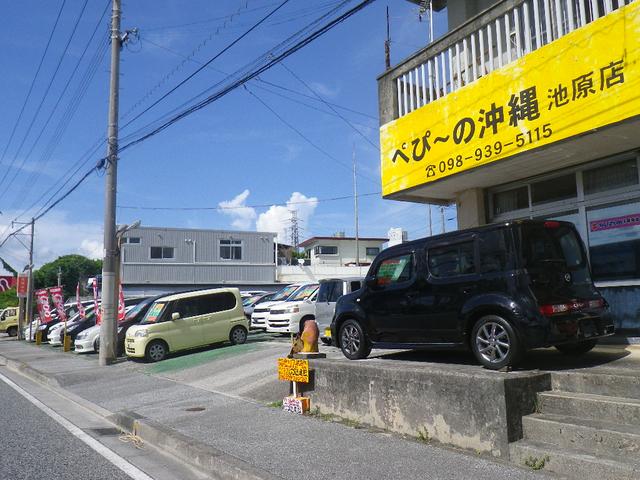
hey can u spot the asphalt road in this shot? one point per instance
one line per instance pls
(33, 445)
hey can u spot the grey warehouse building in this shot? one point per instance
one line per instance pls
(159, 259)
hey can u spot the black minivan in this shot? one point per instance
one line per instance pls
(498, 289)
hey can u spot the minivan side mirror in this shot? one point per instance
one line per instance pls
(175, 316)
(371, 282)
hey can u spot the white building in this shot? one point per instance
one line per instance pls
(341, 251)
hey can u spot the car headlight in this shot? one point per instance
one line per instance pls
(294, 309)
(141, 333)
(81, 335)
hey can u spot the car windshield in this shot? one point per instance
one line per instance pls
(284, 293)
(136, 309)
(154, 312)
(552, 244)
(251, 300)
(303, 293)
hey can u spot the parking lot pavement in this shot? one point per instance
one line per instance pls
(279, 444)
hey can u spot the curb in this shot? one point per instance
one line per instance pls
(208, 459)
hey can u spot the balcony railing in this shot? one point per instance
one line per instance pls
(499, 36)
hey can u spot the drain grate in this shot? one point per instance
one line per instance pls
(194, 409)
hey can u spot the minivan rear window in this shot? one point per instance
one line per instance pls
(555, 243)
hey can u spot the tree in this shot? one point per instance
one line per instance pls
(74, 268)
(8, 298)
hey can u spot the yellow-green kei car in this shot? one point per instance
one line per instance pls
(188, 320)
(9, 321)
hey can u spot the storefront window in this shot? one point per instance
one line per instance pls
(554, 189)
(510, 200)
(610, 177)
(614, 241)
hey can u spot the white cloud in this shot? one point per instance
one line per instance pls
(325, 90)
(278, 217)
(236, 208)
(55, 235)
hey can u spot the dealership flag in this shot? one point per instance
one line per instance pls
(58, 301)
(42, 300)
(121, 309)
(81, 311)
(95, 303)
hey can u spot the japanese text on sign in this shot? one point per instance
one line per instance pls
(582, 81)
(293, 370)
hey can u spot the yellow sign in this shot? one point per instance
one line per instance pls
(585, 80)
(293, 370)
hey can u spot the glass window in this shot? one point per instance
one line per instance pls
(337, 292)
(303, 293)
(554, 189)
(395, 270)
(231, 249)
(452, 260)
(493, 248)
(544, 246)
(372, 251)
(356, 285)
(324, 293)
(609, 177)
(326, 250)
(161, 252)
(132, 240)
(614, 241)
(510, 200)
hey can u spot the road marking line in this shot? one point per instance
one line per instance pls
(112, 457)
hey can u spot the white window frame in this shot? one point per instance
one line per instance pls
(239, 243)
(173, 250)
(317, 254)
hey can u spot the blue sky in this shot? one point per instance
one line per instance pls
(236, 153)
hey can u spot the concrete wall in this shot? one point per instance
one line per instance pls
(313, 273)
(471, 208)
(453, 404)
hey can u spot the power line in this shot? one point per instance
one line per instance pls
(265, 205)
(319, 97)
(44, 96)
(69, 111)
(217, 55)
(26, 100)
(275, 60)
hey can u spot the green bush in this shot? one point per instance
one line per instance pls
(8, 298)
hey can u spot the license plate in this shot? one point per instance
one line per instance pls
(130, 340)
(327, 332)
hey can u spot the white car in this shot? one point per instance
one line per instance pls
(288, 316)
(259, 315)
(29, 334)
(87, 340)
(328, 294)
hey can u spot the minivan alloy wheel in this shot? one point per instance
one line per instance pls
(492, 342)
(157, 351)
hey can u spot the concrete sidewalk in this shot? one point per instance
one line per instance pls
(232, 437)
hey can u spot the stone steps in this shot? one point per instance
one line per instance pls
(615, 410)
(614, 384)
(574, 463)
(593, 436)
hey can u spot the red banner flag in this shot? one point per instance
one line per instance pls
(58, 301)
(121, 309)
(96, 307)
(81, 311)
(42, 300)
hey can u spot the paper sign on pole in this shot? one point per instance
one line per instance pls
(58, 301)
(44, 310)
(81, 311)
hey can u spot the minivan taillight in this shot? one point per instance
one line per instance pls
(552, 224)
(573, 306)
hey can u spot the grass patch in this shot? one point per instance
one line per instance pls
(535, 463)
(423, 435)
(330, 417)
(277, 404)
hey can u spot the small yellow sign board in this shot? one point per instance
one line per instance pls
(583, 81)
(293, 370)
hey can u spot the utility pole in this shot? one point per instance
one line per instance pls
(355, 206)
(30, 284)
(295, 233)
(387, 45)
(430, 221)
(108, 327)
